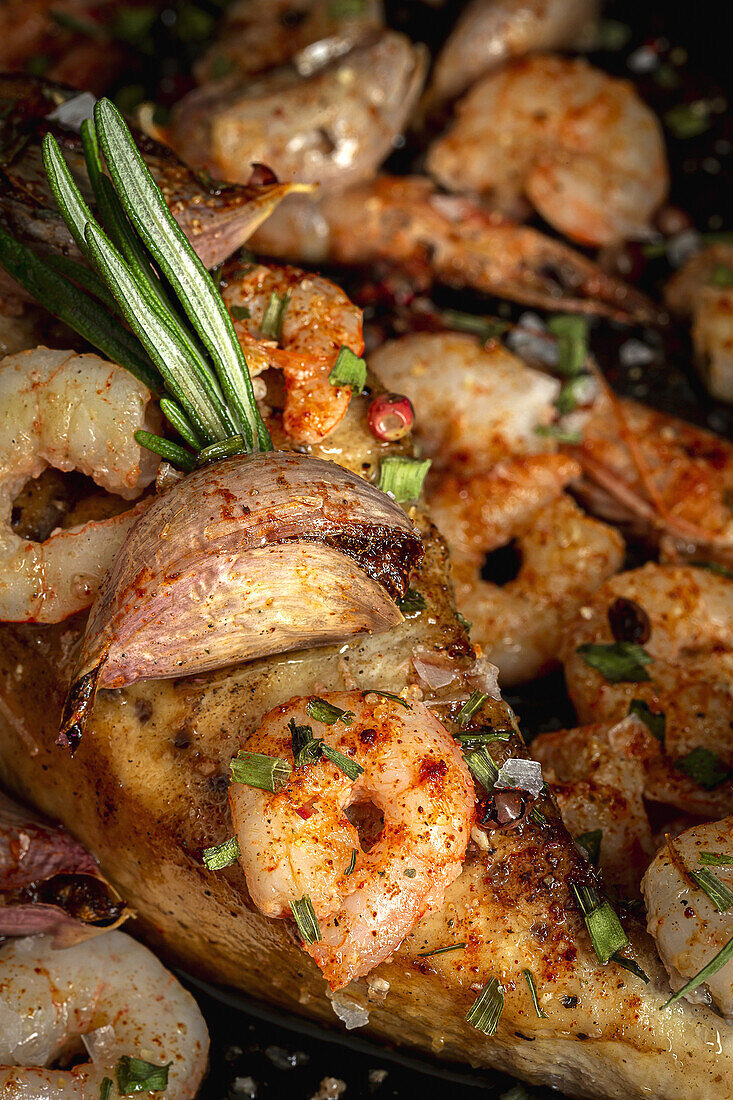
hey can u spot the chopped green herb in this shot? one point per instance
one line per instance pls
(484, 736)
(619, 662)
(715, 859)
(715, 964)
(463, 621)
(411, 603)
(105, 1089)
(722, 275)
(562, 435)
(537, 816)
(348, 766)
(482, 767)
(388, 695)
(529, 978)
(321, 711)
(235, 445)
(343, 9)
(271, 325)
(688, 120)
(193, 23)
(403, 477)
(240, 313)
(486, 328)
(592, 844)
(136, 1075)
(631, 965)
(266, 773)
(655, 722)
(409, 872)
(306, 748)
(487, 1008)
(720, 895)
(352, 862)
(221, 855)
(348, 370)
(306, 920)
(604, 928)
(713, 567)
(474, 702)
(704, 768)
(441, 950)
(612, 35)
(570, 394)
(666, 77)
(571, 332)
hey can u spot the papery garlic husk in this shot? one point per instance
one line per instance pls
(247, 557)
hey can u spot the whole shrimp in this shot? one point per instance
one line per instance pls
(688, 929)
(488, 33)
(109, 995)
(579, 144)
(300, 843)
(71, 412)
(703, 290)
(404, 222)
(317, 321)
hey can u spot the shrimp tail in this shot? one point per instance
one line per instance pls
(78, 707)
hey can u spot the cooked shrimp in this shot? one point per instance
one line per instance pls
(703, 289)
(72, 412)
(110, 995)
(333, 126)
(682, 616)
(687, 928)
(581, 145)
(406, 223)
(474, 405)
(256, 35)
(597, 775)
(670, 480)
(564, 557)
(491, 32)
(318, 320)
(301, 842)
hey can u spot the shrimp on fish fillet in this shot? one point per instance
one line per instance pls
(109, 995)
(564, 556)
(71, 412)
(333, 125)
(678, 623)
(300, 842)
(256, 35)
(405, 223)
(703, 290)
(579, 144)
(686, 926)
(667, 480)
(489, 33)
(317, 321)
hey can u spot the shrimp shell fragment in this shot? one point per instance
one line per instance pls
(300, 841)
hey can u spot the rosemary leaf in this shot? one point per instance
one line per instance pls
(67, 195)
(235, 445)
(306, 920)
(171, 452)
(84, 277)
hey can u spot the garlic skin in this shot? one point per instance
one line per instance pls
(248, 557)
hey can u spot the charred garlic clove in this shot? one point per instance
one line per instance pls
(247, 557)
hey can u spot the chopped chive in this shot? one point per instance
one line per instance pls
(474, 702)
(688, 120)
(715, 964)
(441, 950)
(171, 452)
(715, 859)
(105, 1089)
(487, 1008)
(570, 395)
(388, 695)
(348, 766)
(271, 325)
(592, 844)
(348, 370)
(321, 711)
(529, 978)
(306, 748)
(225, 448)
(403, 477)
(713, 567)
(632, 966)
(255, 769)
(618, 662)
(720, 895)
(137, 1075)
(411, 602)
(604, 928)
(571, 332)
(221, 855)
(484, 736)
(486, 328)
(704, 768)
(463, 621)
(558, 432)
(352, 862)
(482, 767)
(306, 920)
(409, 872)
(655, 722)
(240, 313)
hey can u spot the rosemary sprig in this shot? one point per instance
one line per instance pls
(183, 345)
